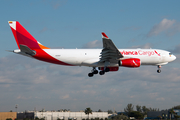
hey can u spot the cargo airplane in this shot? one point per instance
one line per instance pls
(107, 59)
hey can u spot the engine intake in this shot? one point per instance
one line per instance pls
(130, 62)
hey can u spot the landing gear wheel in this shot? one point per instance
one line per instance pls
(102, 72)
(95, 72)
(90, 74)
(107, 69)
(159, 71)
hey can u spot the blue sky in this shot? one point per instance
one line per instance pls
(78, 24)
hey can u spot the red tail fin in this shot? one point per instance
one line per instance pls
(23, 37)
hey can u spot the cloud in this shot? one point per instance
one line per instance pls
(43, 30)
(168, 26)
(32, 83)
(93, 44)
(23, 97)
(160, 99)
(146, 46)
(175, 29)
(55, 4)
(132, 28)
(65, 97)
(176, 49)
(153, 95)
(58, 3)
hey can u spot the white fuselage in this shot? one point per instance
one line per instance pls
(90, 57)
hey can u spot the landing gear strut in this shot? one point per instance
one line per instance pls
(159, 69)
(106, 69)
(93, 71)
(102, 72)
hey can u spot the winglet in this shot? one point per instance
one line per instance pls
(104, 35)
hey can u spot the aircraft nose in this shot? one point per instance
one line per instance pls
(173, 57)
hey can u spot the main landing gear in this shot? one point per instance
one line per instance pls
(159, 69)
(93, 71)
(102, 72)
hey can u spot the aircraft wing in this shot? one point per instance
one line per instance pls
(109, 53)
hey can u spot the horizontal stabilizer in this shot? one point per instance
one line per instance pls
(27, 50)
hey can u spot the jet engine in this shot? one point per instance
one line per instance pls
(130, 62)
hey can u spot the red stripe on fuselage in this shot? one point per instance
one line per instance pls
(43, 56)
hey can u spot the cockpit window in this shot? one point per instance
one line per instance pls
(170, 53)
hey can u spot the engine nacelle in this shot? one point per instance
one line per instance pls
(130, 62)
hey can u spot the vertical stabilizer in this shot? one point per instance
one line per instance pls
(23, 37)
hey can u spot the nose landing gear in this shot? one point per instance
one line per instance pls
(159, 69)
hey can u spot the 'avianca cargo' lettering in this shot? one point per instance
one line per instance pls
(107, 59)
(139, 52)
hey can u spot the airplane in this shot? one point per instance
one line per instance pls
(107, 59)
